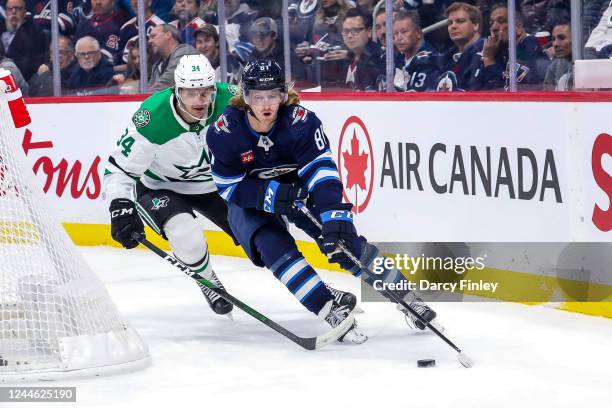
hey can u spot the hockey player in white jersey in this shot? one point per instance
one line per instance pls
(160, 170)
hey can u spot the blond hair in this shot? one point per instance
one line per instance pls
(238, 101)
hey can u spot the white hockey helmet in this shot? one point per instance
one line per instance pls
(194, 71)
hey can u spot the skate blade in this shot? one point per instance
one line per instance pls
(358, 309)
(227, 316)
(355, 336)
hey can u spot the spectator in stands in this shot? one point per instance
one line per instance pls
(9, 65)
(380, 27)
(363, 61)
(462, 62)
(129, 81)
(328, 21)
(264, 37)
(326, 38)
(94, 74)
(80, 10)
(41, 83)
(165, 42)
(186, 19)
(559, 73)
(41, 10)
(128, 35)
(207, 43)
(24, 42)
(596, 19)
(104, 24)
(162, 8)
(367, 6)
(541, 15)
(239, 18)
(208, 11)
(416, 67)
(267, 8)
(531, 59)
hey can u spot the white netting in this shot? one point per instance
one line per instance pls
(55, 315)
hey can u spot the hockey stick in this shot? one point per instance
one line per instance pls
(463, 358)
(309, 343)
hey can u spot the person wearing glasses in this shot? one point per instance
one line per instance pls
(94, 73)
(363, 61)
(41, 83)
(24, 42)
(104, 24)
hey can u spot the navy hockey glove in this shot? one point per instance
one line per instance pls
(124, 221)
(338, 227)
(279, 198)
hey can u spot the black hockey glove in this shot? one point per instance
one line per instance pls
(124, 221)
(279, 198)
(338, 227)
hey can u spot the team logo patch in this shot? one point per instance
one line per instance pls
(159, 202)
(298, 114)
(265, 143)
(221, 124)
(141, 118)
(307, 6)
(247, 157)
(233, 89)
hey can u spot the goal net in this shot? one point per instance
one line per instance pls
(56, 317)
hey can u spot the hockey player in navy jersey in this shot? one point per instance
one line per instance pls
(268, 152)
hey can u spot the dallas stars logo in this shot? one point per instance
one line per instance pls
(202, 168)
(141, 118)
(159, 202)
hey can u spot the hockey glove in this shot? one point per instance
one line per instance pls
(279, 198)
(338, 227)
(124, 221)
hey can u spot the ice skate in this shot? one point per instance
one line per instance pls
(334, 314)
(218, 305)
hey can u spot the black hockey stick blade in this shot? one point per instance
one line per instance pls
(309, 343)
(463, 358)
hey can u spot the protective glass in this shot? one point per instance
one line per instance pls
(269, 97)
(197, 95)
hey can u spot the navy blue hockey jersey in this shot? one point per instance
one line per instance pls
(105, 29)
(464, 66)
(295, 150)
(419, 73)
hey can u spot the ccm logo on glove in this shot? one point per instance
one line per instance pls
(121, 212)
(337, 215)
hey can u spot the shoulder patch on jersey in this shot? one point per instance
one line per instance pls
(141, 118)
(233, 89)
(221, 124)
(299, 114)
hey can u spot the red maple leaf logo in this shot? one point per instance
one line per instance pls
(356, 164)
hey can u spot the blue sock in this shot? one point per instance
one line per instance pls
(281, 256)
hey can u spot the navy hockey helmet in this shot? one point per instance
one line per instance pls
(263, 74)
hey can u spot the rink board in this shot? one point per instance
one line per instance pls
(433, 170)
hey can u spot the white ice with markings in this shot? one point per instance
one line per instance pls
(525, 356)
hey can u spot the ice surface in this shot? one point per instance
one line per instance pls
(524, 356)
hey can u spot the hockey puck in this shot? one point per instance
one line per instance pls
(426, 363)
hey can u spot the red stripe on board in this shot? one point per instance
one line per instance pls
(376, 96)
